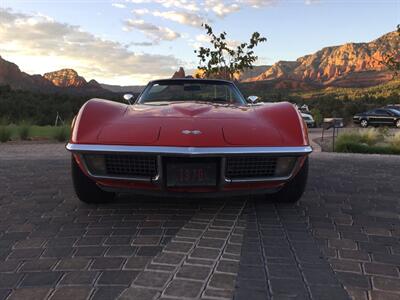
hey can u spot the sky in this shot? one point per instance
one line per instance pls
(129, 42)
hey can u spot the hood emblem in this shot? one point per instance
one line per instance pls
(195, 132)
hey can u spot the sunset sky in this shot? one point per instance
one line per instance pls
(132, 41)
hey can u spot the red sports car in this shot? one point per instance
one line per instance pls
(189, 137)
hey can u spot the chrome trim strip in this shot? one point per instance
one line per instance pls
(194, 151)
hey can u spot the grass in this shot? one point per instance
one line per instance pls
(61, 133)
(372, 141)
(395, 140)
(23, 132)
(5, 134)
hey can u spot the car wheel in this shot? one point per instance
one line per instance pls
(398, 123)
(85, 188)
(294, 189)
(364, 123)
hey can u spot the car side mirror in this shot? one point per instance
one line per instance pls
(128, 98)
(252, 99)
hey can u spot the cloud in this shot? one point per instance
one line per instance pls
(185, 18)
(141, 11)
(221, 8)
(155, 33)
(40, 42)
(204, 40)
(310, 2)
(259, 3)
(188, 5)
(118, 5)
(143, 44)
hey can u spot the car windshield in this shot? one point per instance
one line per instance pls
(191, 90)
(395, 111)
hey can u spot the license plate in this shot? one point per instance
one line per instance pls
(191, 174)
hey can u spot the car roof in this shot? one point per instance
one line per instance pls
(191, 80)
(391, 109)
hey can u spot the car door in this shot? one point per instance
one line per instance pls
(372, 117)
(383, 117)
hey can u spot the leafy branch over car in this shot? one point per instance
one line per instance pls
(222, 61)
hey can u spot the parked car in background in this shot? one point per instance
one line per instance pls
(308, 119)
(378, 117)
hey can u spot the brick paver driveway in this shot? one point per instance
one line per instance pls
(340, 242)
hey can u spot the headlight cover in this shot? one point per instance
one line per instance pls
(284, 166)
(96, 164)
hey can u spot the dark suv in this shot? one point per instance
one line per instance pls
(378, 117)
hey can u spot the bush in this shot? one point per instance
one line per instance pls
(395, 140)
(318, 118)
(371, 136)
(367, 143)
(61, 134)
(5, 133)
(4, 121)
(354, 147)
(24, 131)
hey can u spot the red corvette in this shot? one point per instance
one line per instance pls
(189, 137)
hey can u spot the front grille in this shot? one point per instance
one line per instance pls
(250, 167)
(131, 165)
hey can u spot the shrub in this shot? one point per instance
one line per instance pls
(357, 143)
(5, 133)
(371, 136)
(395, 140)
(318, 118)
(345, 138)
(24, 131)
(4, 121)
(61, 133)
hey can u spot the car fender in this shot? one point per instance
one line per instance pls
(288, 120)
(91, 118)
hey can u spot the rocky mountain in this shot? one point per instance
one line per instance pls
(65, 78)
(348, 65)
(179, 74)
(11, 75)
(351, 64)
(250, 73)
(69, 78)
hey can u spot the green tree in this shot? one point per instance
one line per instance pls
(222, 61)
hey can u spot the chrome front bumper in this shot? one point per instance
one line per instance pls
(166, 151)
(189, 151)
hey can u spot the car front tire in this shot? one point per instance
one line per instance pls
(294, 189)
(86, 189)
(364, 123)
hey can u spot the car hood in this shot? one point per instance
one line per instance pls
(191, 125)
